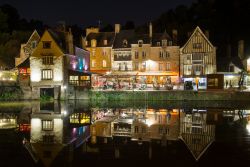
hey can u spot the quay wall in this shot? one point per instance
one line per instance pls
(10, 93)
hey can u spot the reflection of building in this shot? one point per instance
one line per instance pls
(8, 121)
(198, 58)
(196, 133)
(139, 125)
(52, 132)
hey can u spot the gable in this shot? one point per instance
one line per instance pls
(54, 49)
(198, 42)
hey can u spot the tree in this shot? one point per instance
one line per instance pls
(3, 21)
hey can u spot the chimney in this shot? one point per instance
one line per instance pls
(175, 36)
(117, 28)
(91, 30)
(207, 34)
(69, 40)
(241, 49)
(83, 42)
(150, 30)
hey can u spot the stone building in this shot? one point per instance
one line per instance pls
(22, 62)
(197, 58)
(57, 67)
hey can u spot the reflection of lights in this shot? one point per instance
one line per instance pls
(230, 76)
(248, 127)
(149, 122)
(65, 113)
(64, 87)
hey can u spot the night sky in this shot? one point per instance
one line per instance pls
(88, 12)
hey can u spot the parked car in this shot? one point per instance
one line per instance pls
(188, 85)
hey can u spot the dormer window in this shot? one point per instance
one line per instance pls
(33, 44)
(140, 42)
(164, 42)
(93, 43)
(170, 43)
(125, 43)
(105, 42)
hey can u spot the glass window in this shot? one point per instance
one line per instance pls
(73, 80)
(33, 44)
(47, 60)
(104, 63)
(164, 42)
(140, 42)
(47, 125)
(160, 66)
(197, 45)
(105, 42)
(144, 54)
(93, 63)
(136, 55)
(84, 78)
(47, 74)
(136, 66)
(168, 67)
(46, 44)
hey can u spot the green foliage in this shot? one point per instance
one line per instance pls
(3, 21)
(46, 98)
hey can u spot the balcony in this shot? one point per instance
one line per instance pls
(123, 58)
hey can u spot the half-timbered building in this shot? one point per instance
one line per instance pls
(197, 58)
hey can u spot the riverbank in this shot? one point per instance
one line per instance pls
(170, 95)
(14, 93)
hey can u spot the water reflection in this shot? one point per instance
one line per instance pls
(52, 132)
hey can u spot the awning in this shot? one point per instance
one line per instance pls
(157, 74)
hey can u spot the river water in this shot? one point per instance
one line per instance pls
(129, 133)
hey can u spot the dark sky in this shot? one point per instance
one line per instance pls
(88, 12)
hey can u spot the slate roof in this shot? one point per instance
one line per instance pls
(59, 38)
(25, 63)
(100, 37)
(132, 37)
(237, 62)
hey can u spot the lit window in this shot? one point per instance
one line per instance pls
(93, 43)
(46, 44)
(168, 67)
(144, 54)
(136, 129)
(158, 43)
(136, 66)
(164, 42)
(105, 42)
(136, 55)
(73, 80)
(93, 63)
(47, 74)
(47, 125)
(160, 66)
(104, 53)
(104, 63)
(140, 42)
(47, 60)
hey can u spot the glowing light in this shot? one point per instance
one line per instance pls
(149, 122)
(248, 127)
(230, 76)
(35, 75)
(64, 87)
